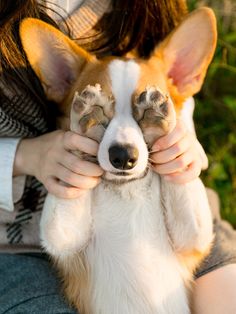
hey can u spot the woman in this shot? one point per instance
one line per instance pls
(35, 158)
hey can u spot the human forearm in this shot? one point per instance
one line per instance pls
(26, 157)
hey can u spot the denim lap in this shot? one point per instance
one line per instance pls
(28, 285)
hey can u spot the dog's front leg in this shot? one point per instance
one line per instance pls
(66, 225)
(188, 215)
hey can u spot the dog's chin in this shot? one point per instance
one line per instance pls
(119, 178)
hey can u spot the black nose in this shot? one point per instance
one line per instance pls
(123, 156)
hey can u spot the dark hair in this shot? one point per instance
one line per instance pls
(140, 25)
(131, 24)
(15, 71)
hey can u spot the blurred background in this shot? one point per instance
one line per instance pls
(215, 113)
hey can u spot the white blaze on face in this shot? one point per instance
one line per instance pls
(123, 129)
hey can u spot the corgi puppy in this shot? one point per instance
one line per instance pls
(130, 245)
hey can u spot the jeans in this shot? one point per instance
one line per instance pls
(28, 285)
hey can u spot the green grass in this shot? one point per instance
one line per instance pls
(215, 114)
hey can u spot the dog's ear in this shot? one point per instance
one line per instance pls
(187, 52)
(56, 60)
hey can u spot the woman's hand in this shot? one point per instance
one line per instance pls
(178, 156)
(50, 160)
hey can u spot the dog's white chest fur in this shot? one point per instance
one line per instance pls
(136, 252)
(130, 251)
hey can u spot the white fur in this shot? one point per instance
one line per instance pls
(124, 78)
(123, 128)
(134, 268)
(66, 224)
(133, 246)
(186, 114)
(132, 262)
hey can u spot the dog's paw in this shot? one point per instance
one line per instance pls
(66, 225)
(155, 113)
(91, 112)
(151, 107)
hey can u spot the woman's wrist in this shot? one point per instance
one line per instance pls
(26, 157)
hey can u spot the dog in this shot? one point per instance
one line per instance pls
(131, 244)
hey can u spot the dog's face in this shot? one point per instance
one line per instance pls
(125, 120)
(124, 104)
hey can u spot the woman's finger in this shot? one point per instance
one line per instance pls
(178, 164)
(172, 152)
(73, 141)
(62, 191)
(192, 172)
(170, 139)
(74, 179)
(79, 166)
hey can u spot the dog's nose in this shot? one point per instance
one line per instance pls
(123, 157)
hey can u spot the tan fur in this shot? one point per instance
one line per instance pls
(75, 275)
(93, 72)
(205, 16)
(192, 259)
(39, 37)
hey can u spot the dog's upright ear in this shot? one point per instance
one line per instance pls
(56, 60)
(187, 53)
